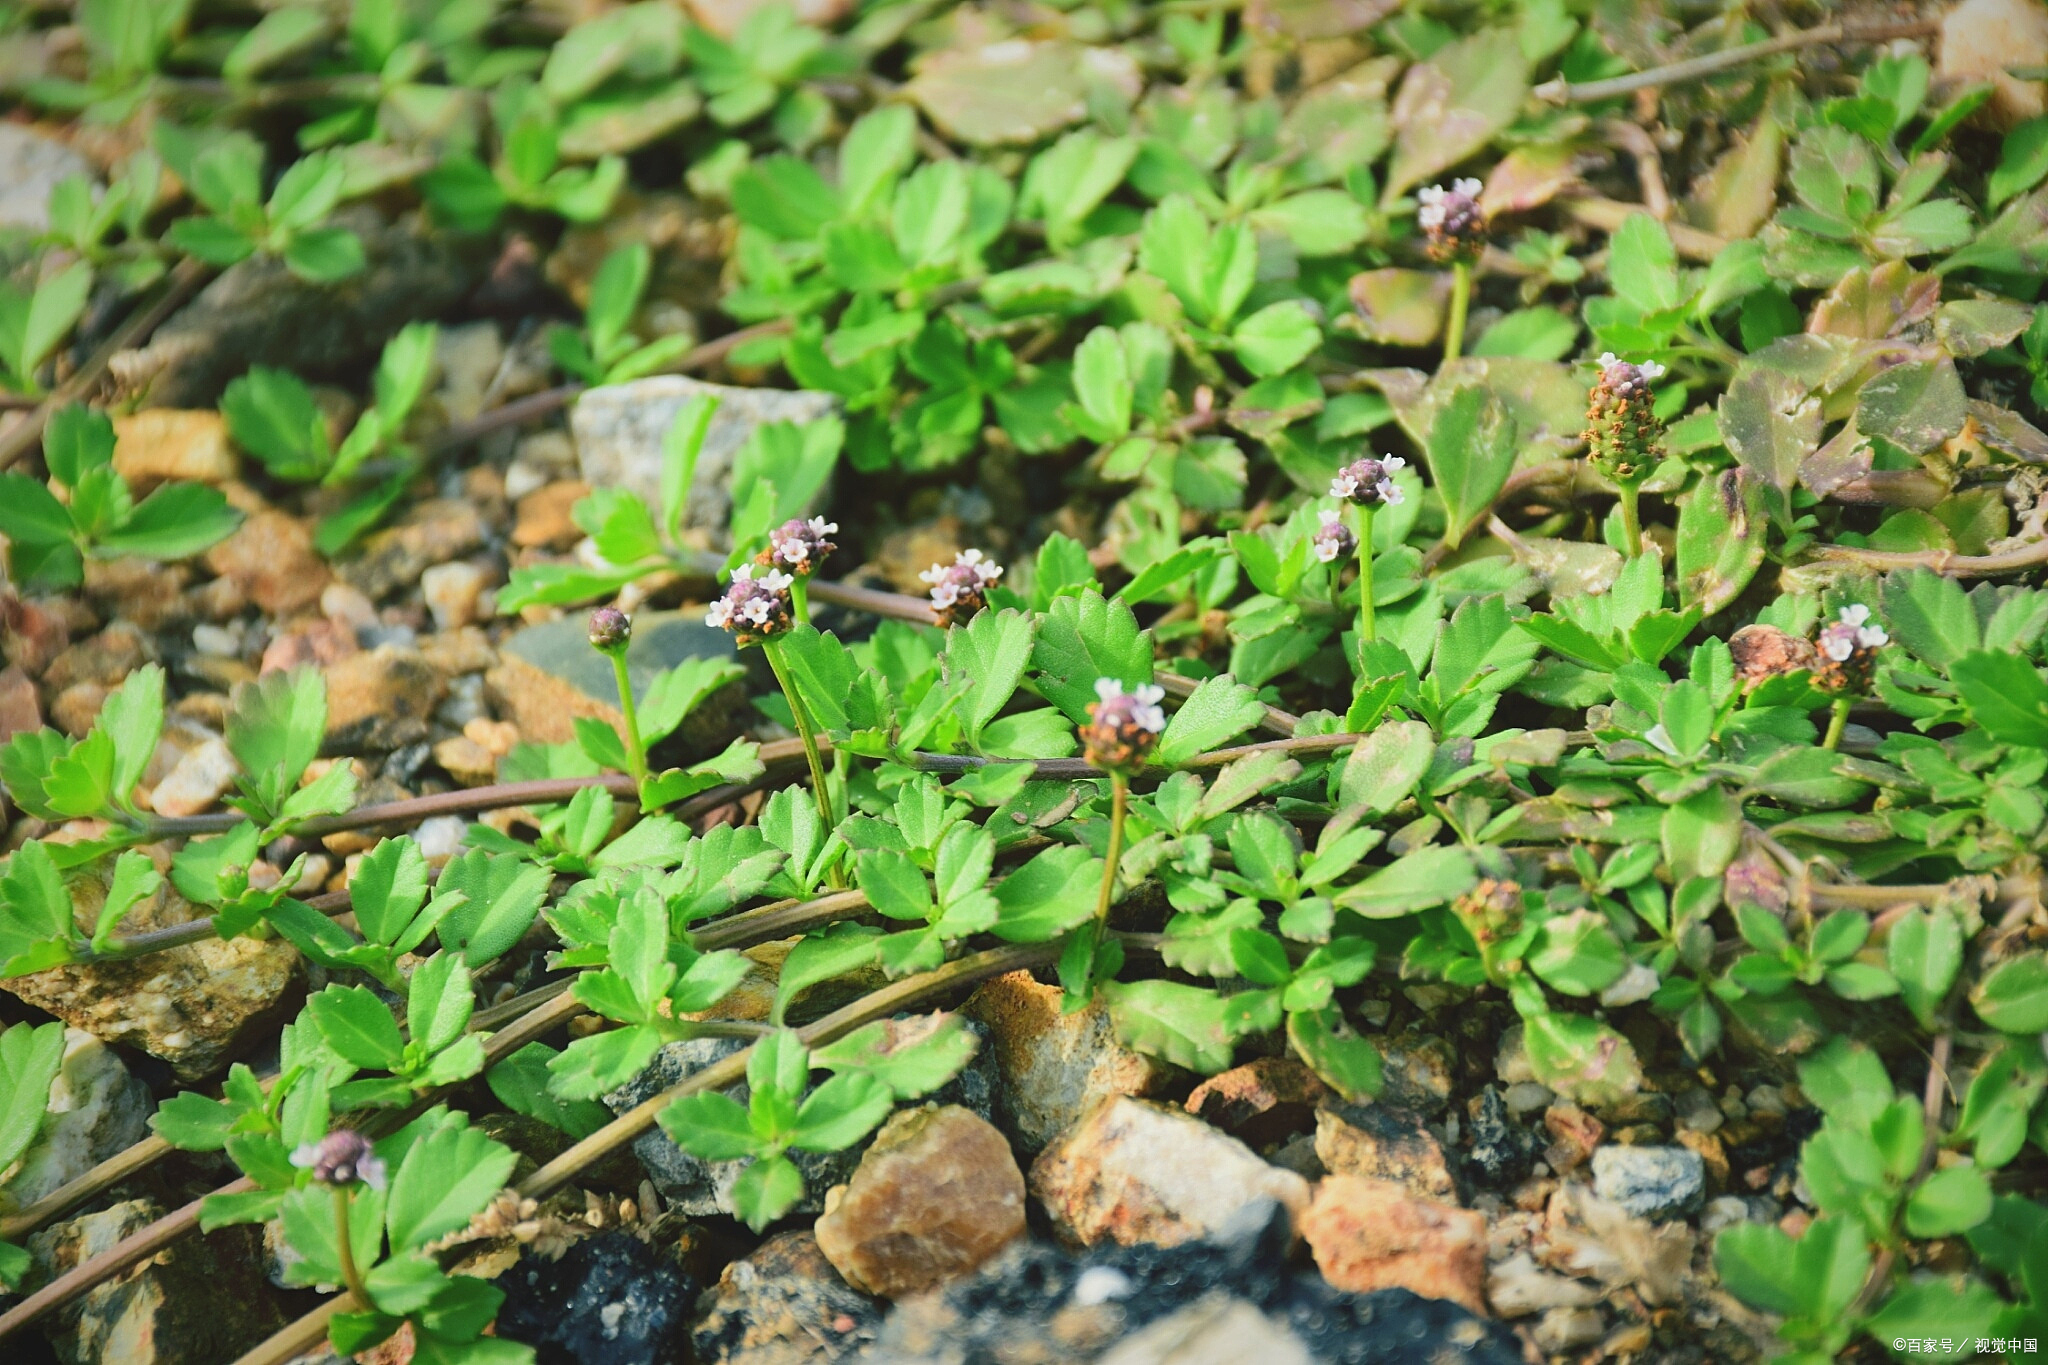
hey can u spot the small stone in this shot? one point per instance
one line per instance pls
(1574, 1134)
(197, 1302)
(937, 1194)
(1262, 1102)
(217, 642)
(1373, 1234)
(1502, 1151)
(441, 837)
(548, 675)
(1724, 1212)
(434, 532)
(272, 560)
(20, 713)
(1711, 1153)
(1517, 1287)
(1054, 1065)
(1215, 1330)
(380, 699)
(160, 444)
(343, 603)
(610, 1298)
(1698, 1113)
(1526, 1097)
(1383, 1143)
(320, 644)
(202, 775)
(620, 430)
(783, 1305)
(31, 165)
(453, 593)
(1417, 1067)
(77, 707)
(1562, 1329)
(1650, 1182)
(96, 1109)
(542, 520)
(1989, 39)
(496, 736)
(1130, 1171)
(468, 357)
(453, 653)
(467, 761)
(106, 658)
(141, 591)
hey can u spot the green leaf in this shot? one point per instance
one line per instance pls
(1416, 881)
(2005, 694)
(911, 1061)
(1383, 770)
(986, 658)
(133, 719)
(54, 308)
(175, 522)
(357, 1026)
(1471, 451)
(712, 1126)
(438, 1001)
(502, 895)
(325, 255)
(766, 1190)
(843, 948)
(78, 440)
(276, 723)
(388, 888)
(30, 514)
(842, 1111)
(1341, 1059)
(1918, 405)
(2022, 162)
(1642, 264)
(521, 1084)
(29, 1058)
(1948, 1201)
(1219, 709)
(1931, 615)
(1185, 1025)
(1276, 338)
(1924, 953)
(1084, 638)
(894, 885)
(1047, 896)
(1578, 954)
(445, 1180)
(135, 879)
(2013, 996)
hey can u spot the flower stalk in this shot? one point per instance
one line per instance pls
(804, 730)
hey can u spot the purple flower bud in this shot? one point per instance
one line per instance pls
(1333, 541)
(753, 606)
(1453, 226)
(611, 630)
(341, 1158)
(1123, 726)
(800, 546)
(960, 589)
(1369, 482)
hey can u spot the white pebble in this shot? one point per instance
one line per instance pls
(1100, 1284)
(218, 642)
(441, 837)
(453, 592)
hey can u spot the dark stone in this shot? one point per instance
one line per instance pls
(783, 1305)
(1022, 1306)
(610, 1300)
(1502, 1152)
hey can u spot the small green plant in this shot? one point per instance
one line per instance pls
(29, 1058)
(99, 517)
(606, 351)
(224, 172)
(33, 322)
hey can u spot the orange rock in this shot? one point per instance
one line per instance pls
(271, 558)
(542, 520)
(1383, 1143)
(1575, 1134)
(936, 1195)
(1053, 1064)
(1373, 1234)
(1262, 1101)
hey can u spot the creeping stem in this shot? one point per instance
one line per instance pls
(1461, 298)
(800, 598)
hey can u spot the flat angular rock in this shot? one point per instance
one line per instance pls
(1054, 1065)
(1130, 1171)
(548, 674)
(619, 429)
(1650, 1182)
(1374, 1234)
(937, 1194)
(1383, 1143)
(381, 699)
(1263, 1101)
(96, 1108)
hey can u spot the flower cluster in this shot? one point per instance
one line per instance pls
(341, 1158)
(611, 630)
(1334, 541)
(1123, 726)
(1624, 439)
(1369, 482)
(1453, 228)
(960, 589)
(799, 546)
(1848, 648)
(753, 608)
(1491, 911)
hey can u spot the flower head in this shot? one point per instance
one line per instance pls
(1369, 482)
(1123, 725)
(960, 589)
(753, 607)
(1848, 648)
(799, 545)
(611, 630)
(1624, 439)
(1333, 540)
(1453, 227)
(343, 1157)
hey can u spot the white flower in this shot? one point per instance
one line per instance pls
(720, 614)
(1837, 646)
(1608, 360)
(1392, 464)
(1390, 493)
(1147, 713)
(822, 527)
(1105, 688)
(1650, 369)
(1467, 186)
(1343, 486)
(1868, 636)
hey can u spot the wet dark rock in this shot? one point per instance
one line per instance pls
(1502, 1151)
(1035, 1303)
(259, 312)
(783, 1305)
(610, 1300)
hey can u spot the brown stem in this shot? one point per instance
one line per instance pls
(1944, 561)
(1560, 91)
(181, 284)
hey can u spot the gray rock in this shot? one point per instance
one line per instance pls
(30, 166)
(579, 680)
(258, 311)
(1650, 1182)
(96, 1110)
(619, 430)
(1217, 1330)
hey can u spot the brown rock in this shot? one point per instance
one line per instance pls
(320, 644)
(454, 593)
(106, 658)
(77, 707)
(1383, 1143)
(201, 775)
(905, 554)
(432, 533)
(1712, 1155)
(936, 1195)
(543, 521)
(455, 652)
(381, 699)
(159, 444)
(1054, 1065)
(1264, 1101)
(19, 710)
(34, 633)
(1986, 40)
(1130, 1171)
(150, 594)
(272, 559)
(1574, 1133)
(543, 706)
(1417, 1067)
(1373, 1234)
(193, 1006)
(467, 761)
(783, 1305)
